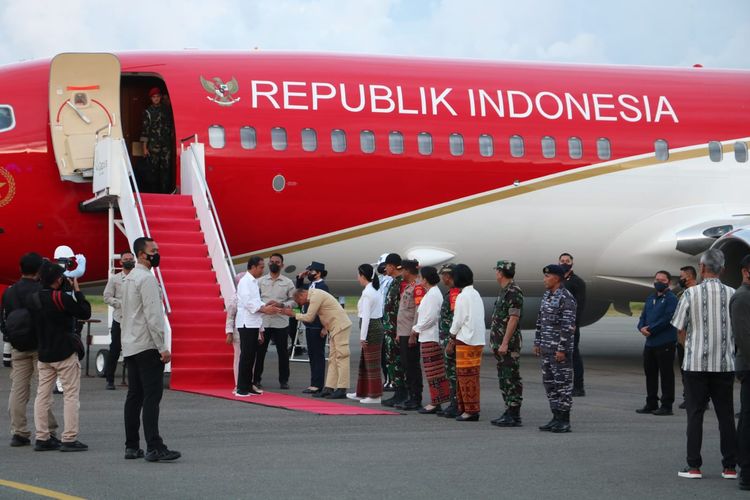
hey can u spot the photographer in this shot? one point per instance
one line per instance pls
(60, 350)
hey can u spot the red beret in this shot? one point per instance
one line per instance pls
(154, 91)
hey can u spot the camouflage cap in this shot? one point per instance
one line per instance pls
(505, 265)
(447, 268)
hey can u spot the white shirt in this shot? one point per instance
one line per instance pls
(428, 316)
(370, 306)
(249, 303)
(468, 317)
(703, 312)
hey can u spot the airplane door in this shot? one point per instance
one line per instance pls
(84, 103)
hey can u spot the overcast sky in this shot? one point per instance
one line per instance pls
(715, 33)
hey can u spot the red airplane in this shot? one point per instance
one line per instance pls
(340, 159)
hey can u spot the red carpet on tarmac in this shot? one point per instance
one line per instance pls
(296, 403)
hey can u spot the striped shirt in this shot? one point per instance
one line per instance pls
(703, 312)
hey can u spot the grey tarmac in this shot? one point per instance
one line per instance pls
(238, 450)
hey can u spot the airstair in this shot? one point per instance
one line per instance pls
(195, 274)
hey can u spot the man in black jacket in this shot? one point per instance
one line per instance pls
(316, 343)
(739, 310)
(24, 358)
(56, 313)
(576, 286)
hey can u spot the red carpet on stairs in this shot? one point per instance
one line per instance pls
(201, 360)
(200, 357)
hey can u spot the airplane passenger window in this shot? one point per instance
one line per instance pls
(486, 147)
(740, 151)
(661, 149)
(338, 140)
(715, 152)
(548, 146)
(603, 149)
(216, 136)
(367, 141)
(516, 146)
(456, 142)
(248, 139)
(424, 143)
(575, 148)
(396, 143)
(278, 138)
(309, 140)
(7, 120)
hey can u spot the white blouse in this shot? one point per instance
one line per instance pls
(428, 316)
(468, 317)
(370, 306)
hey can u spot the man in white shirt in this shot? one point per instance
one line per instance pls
(703, 316)
(249, 320)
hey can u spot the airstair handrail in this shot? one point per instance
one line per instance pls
(214, 213)
(142, 215)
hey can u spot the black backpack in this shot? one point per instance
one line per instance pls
(19, 326)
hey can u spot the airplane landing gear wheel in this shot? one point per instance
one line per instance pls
(101, 361)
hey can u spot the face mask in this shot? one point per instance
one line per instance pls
(154, 259)
(566, 267)
(312, 277)
(128, 264)
(274, 268)
(683, 283)
(659, 286)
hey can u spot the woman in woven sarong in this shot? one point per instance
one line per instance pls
(428, 317)
(467, 339)
(370, 312)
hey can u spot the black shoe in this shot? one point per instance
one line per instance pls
(578, 393)
(744, 483)
(53, 439)
(473, 417)
(683, 405)
(563, 423)
(338, 394)
(284, 386)
(425, 411)
(507, 420)
(162, 455)
(110, 386)
(17, 441)
(132, 453)
(552, 423)
(451, 412)
(664, 410)
(398, 397)
(258, 385)
(311, 391)
(327, 391)
(48, 445)
(74, 446)
(410, 405)
(646, 410)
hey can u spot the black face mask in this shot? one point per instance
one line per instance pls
(274, 268)
(154, 259)
(128, 264)
(566, 267)
(312, 277)
(683, 283)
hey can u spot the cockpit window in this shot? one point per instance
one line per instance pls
(7, 120)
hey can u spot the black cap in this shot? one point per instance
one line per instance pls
(381, 268)
(411, 265)
(316, 266)
(554, 269)
(393, 258)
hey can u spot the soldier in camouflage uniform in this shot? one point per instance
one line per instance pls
(444, 329)
(505, 339)
(390, 316)
(156, 136)
(555, 328)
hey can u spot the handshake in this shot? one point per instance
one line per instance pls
(273, 307)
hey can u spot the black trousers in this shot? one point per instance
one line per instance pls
(743, 426)
(316, 347)
(145, 388)
(280, 338)
(412, 368)
(249, 348)
(577, 361)
(699, 387)
(115, 347)
(680, 358)
(659, 362)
